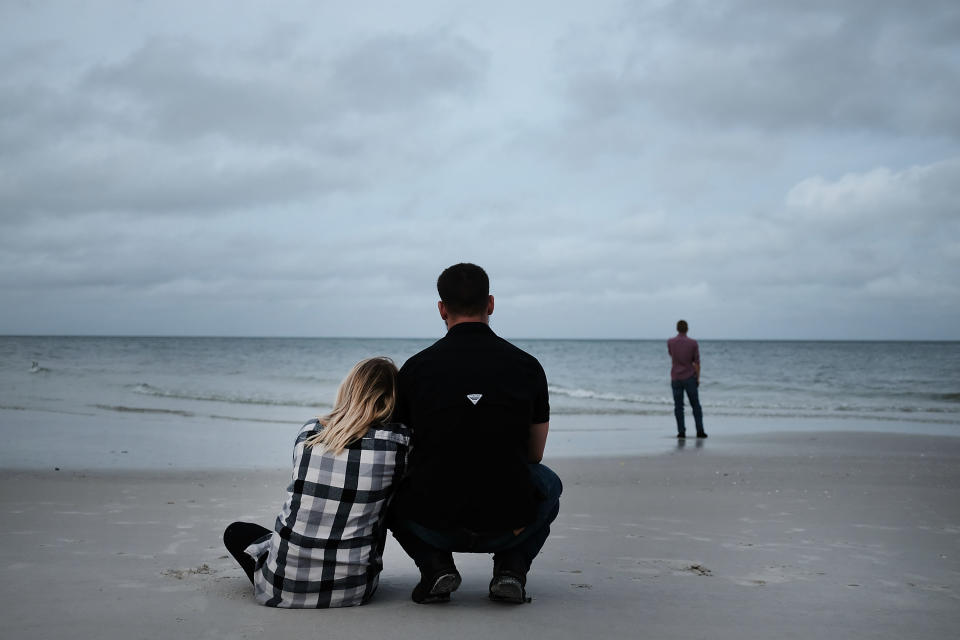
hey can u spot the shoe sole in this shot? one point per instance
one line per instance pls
(445, 584)
(442, 587)
(507, 589)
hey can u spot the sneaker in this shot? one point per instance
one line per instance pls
(681, 435)
(509, 579)
(508, 588)
(437, 583)
(702, 434)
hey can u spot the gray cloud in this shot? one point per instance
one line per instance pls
(888, 67)
(398, 72)
(179, 126)
(764, 169)
(141, 177)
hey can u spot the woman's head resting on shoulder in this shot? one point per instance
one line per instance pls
(366, 397)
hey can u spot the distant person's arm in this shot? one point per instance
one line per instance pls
(695, 360)
(538, 440)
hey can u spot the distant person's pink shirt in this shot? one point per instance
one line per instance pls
(685, 352)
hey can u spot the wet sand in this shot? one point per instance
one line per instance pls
(823, 535)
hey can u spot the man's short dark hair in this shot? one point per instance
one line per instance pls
(682, 326)
(464, 288)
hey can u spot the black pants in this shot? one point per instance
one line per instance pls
(240, 535)
(424, 545)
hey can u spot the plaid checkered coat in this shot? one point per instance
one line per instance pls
(327, 546)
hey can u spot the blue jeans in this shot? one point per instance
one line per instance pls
(420, 542)
(690, 387)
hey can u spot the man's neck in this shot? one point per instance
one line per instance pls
(453, 321)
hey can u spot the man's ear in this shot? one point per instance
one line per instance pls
(490, 305)
(442, 308)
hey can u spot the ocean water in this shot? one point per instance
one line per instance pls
(188, 385)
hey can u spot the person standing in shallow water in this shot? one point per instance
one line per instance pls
(685, 377)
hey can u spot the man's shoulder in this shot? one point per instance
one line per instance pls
(504, 349)
(478, 348)
(425, 352)
(507, 345)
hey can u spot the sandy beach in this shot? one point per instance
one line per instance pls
(826, 535)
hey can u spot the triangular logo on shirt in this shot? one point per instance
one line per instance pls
(474, 397)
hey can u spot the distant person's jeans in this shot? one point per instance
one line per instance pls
(420, 542)
(690, 386)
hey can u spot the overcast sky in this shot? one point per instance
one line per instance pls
(764, 169)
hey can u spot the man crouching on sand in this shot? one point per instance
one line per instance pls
(479, 411)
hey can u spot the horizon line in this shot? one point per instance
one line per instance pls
(570, 339)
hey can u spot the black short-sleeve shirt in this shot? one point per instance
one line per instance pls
(470, 399)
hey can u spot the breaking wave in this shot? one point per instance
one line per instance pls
(231, 398)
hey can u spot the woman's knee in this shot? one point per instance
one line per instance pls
(239, 535)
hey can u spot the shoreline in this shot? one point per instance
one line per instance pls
(36, 440)
(776, 444)
(755, 536)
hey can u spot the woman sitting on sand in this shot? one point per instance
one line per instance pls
(327, 544)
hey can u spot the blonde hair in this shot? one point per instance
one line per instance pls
(366, 396)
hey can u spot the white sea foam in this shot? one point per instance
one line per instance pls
(262, 379)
